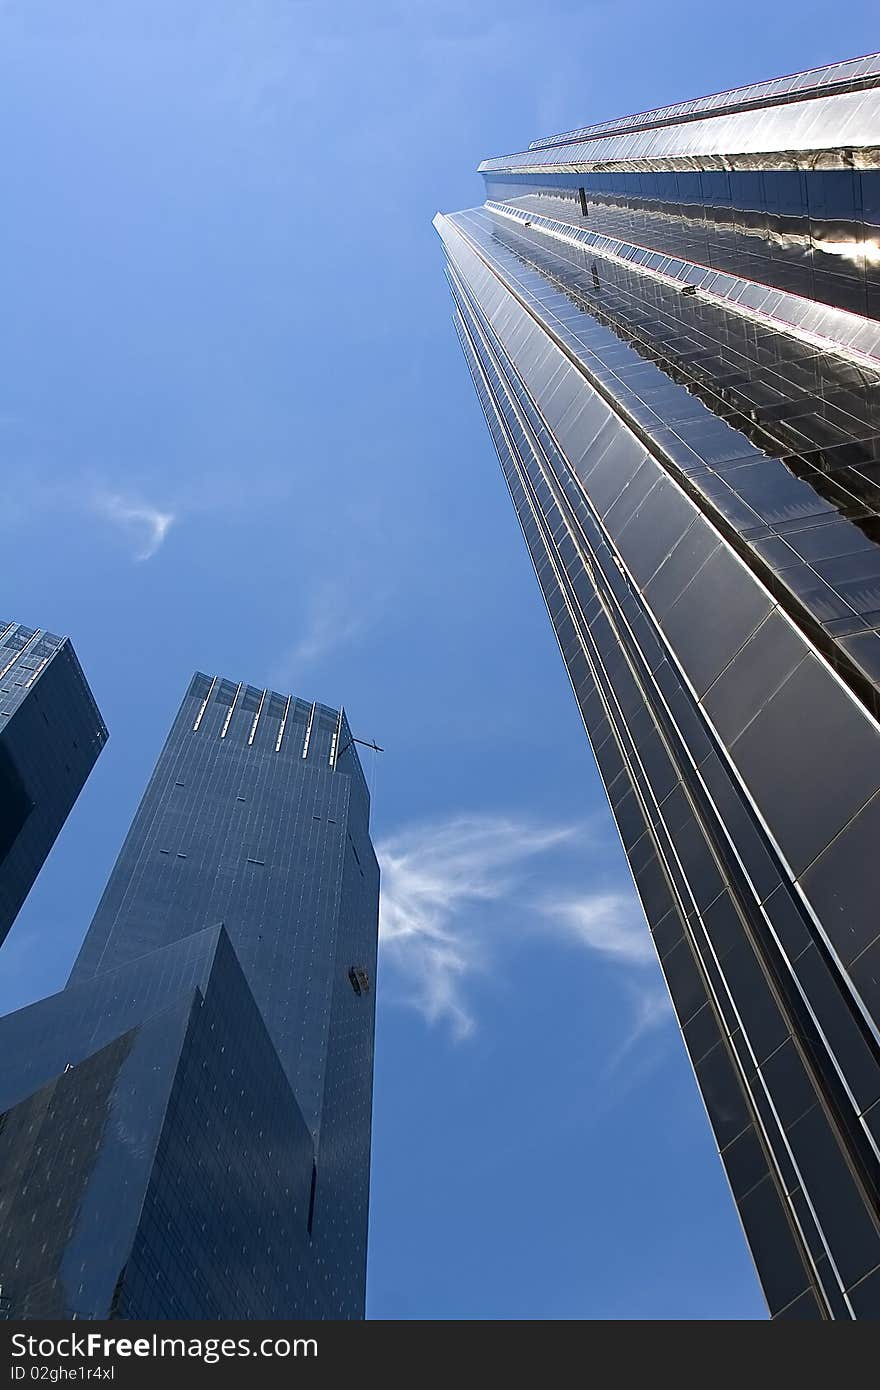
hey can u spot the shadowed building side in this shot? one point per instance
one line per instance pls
(50, 736)
(245, 897)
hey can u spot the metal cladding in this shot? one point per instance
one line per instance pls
(672, 321)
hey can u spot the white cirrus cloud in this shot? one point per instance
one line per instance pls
(336, 614)
(432, 875)
(651, 1008)
(610, 923)
(146, 525)
(455, 892)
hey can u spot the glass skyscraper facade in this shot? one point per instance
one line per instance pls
(50, 736)
(186, 1126)
(671, 321)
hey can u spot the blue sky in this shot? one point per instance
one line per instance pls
(237, 435)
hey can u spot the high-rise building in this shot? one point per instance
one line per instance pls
(671, 320)
(187, 1124)
(50, 736)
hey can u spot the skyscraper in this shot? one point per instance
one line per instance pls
(50, 736)
(671, 320)
(187, 1123)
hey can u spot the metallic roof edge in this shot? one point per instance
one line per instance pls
(850, 74)
(845, 125)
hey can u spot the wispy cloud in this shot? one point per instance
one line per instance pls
(613, 926)
(334, 615)
(438, 929)
(146, 525)
(431, 875)
(650, 1009)
(610, 923)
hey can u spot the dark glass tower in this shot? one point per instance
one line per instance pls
(671, 321)
(187, 1124)
(50, 736)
